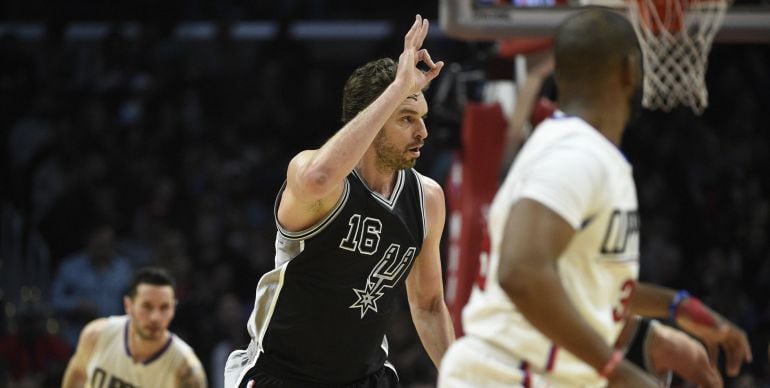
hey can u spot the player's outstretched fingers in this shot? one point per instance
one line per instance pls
(737, 350)
(423, 33)
(413, 34)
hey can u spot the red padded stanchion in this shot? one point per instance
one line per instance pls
(471, 186)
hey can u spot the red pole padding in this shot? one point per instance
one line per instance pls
(471, 186)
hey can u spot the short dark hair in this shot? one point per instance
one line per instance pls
(155, 276)
(590, 42)
(365, 85)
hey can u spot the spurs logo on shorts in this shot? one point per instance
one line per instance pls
(385, 274)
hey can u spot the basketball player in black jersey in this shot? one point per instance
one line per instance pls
(355, 224)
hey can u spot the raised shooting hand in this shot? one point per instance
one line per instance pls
(412, 77)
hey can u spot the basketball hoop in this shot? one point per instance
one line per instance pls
(676, 37)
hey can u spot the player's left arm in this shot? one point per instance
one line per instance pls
(190, 374)
(690, 314)
(661, 349)
(424, 285)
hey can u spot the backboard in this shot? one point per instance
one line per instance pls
(491, 20)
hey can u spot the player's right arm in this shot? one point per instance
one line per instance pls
(76, 374)
(315, 178)
(535, 237)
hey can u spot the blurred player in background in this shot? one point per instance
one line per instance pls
(136, 349)
(564, 239)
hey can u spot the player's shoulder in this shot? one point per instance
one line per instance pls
(435, 202)
(430, 187)
(575, 133)
(190, 369)
(185, 350)
(94, 330)
(570, 140)
(566, 130)
(181, 345)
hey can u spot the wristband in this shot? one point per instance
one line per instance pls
(698, 313)
(674, 306)
(612, 364)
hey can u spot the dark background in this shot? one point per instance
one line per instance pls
(180, 144)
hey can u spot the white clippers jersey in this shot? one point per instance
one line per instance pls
(111, 364)
(575, 171)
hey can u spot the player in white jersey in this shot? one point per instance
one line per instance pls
(563, 257)
(136, 349)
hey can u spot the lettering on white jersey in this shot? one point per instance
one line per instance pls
(385, 274)
(622, 232)
(102, 379)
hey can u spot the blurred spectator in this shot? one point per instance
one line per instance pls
(171, 254)
(91, 283)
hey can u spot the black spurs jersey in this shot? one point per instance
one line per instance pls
(321, 314)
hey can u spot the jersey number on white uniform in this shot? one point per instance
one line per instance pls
(620, 311)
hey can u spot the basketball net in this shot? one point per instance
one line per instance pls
(675, 37)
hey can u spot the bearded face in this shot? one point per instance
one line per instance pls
(392, 156)
(398, 143)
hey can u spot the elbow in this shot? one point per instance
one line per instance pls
(520, 292)
(314, 174)
(428, 307)
(315, 181)
(437, 305)
(421, 307)
(519, 283)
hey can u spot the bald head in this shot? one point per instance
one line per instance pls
(591, 44)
